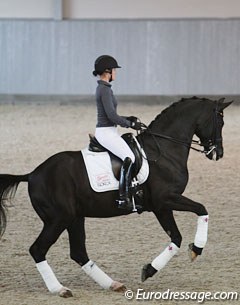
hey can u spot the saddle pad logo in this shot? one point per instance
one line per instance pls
(103, 179)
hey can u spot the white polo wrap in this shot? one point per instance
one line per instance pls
(161, 260)
(49, 277)
(202, 231)
(97, 275)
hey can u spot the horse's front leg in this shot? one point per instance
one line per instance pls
(180, 203)
(167, 221)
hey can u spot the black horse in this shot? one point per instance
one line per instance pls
(61, 195)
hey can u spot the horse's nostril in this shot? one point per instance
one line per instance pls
(219, 153)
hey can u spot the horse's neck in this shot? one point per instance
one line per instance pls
(182, 126)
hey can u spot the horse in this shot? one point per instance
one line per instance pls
(61, 194)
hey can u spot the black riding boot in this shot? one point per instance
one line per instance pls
(125, 201)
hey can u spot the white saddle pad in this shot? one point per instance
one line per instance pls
(99, 169)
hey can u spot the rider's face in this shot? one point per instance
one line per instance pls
(113, 74)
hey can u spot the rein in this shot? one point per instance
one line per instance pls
(177, 141)
(174, 140)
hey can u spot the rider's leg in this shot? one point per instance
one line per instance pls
(110, 139)
(124, 200)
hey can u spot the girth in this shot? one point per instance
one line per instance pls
(95, 146)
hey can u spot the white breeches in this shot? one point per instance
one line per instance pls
(111, 140)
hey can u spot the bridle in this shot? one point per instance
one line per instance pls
(211, 144)
(214, 141)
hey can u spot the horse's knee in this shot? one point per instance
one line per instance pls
(202, 211)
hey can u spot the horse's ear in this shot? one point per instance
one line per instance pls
(221, 100)
(225, 105)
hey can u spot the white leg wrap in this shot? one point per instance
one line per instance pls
(202, 231)
(161, 260)
(97, 275)
(49, 277)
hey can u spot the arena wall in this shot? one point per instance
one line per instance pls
(161, 54)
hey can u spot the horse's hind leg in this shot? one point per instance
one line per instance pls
(48, 236)
(78, 253)
(167, 221)
(77, 238)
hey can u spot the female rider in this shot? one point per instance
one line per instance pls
(107, 121)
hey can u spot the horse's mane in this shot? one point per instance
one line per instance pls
(175, 109)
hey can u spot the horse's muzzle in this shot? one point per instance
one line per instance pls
(214, 152)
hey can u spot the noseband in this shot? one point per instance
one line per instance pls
(211, 143)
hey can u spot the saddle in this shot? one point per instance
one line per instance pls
(116, 162)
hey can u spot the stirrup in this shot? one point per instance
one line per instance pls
(124, 204)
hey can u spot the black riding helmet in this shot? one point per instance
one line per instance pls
(104, 63)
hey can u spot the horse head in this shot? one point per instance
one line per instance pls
(210, 131)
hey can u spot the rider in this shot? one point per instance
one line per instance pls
(107, 121)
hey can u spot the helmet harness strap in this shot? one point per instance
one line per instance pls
(110, 72)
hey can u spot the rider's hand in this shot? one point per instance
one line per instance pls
(136, 125)
(132, 119)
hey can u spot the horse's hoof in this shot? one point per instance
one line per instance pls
(65, 293)
(192, 255)
(118, 287)
(147, 271)
(144, 273)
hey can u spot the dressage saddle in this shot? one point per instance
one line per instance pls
(116, 162)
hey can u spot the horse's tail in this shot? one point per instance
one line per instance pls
(8, 188)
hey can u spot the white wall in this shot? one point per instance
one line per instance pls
(158, 57)
(151, 8)
(110, 9)
(178, 56)
(26, 8)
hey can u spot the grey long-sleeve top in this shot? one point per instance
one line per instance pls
(107, 107)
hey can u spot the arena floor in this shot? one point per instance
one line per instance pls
(31, 132)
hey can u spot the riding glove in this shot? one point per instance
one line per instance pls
(136, 125)
(132, 119)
